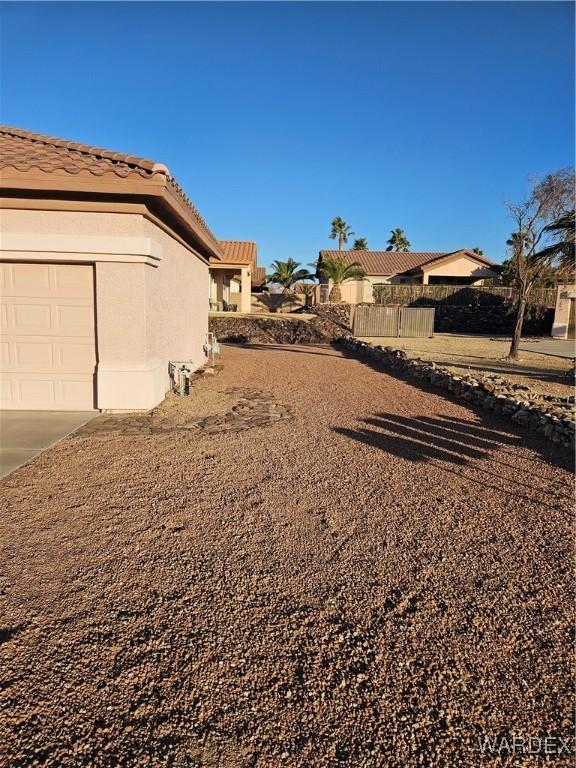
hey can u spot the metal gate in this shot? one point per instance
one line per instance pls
(371, 320)
(416, 322)
(375, 321)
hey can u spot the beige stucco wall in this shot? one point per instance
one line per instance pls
(151, 294)
(73, 223)
(565, 294)
(177, 303)
(356, 291)
(462, 266)
(362, 291)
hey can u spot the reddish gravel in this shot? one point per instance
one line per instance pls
(376, 582)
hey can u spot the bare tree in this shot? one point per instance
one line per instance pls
(550, 199)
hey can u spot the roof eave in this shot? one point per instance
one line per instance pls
(156, 188)
(465, 251)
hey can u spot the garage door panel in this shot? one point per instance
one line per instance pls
(34, 355)
(64, 317)
(75, 318)
(48, 346)
(5, 391)
(23, 354)
(41, 392)
(73, 283)
(74, 355)
(77, 391)
(30, 318)
(35, 391)
(30, 279)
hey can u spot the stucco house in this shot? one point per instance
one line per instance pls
(232, 274)
(104, 266)
(461, 267)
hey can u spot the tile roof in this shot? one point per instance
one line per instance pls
(395, 262)
(25, 151)
(238, 252)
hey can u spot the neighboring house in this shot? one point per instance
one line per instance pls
(231, 276)
(104, 267)
(462, 267)
(564, 326)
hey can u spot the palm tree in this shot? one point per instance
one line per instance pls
(339, 269)
(361, 244)
(398, 241)
(561, 253)
(308, 290)
(340, 231)
(479, 251)
(286, 273)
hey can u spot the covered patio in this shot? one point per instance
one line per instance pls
(231, 278)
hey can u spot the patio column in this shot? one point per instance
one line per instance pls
(211, 285)
(245, 291)
(219, 280)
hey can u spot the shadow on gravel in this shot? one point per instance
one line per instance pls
(419, 439)
(325, 350)
(495, 429)
(458, 442)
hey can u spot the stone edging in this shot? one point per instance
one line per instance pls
(552, 418)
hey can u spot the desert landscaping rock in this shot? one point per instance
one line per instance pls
(330, 322)
(375, 581)
(240, 408)
(492, 319)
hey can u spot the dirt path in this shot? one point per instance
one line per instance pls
(376, 577)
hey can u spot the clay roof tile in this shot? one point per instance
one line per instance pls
(25, 150)
(387, 263)
(239, 252)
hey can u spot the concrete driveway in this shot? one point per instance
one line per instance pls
(23, 434)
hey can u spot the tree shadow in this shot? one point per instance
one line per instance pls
(420, 439)
(325, 350)
(443, 441)
(503, 430)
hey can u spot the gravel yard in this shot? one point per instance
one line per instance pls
(307, 563)
(473, 354)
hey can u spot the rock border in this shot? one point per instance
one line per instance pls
(552, 418)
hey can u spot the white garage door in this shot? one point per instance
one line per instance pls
(47, 337)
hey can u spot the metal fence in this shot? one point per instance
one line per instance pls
(457, 295)
(374, 320)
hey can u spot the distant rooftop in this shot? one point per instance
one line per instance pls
(396, 262)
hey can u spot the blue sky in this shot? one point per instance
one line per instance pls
(276, 117)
